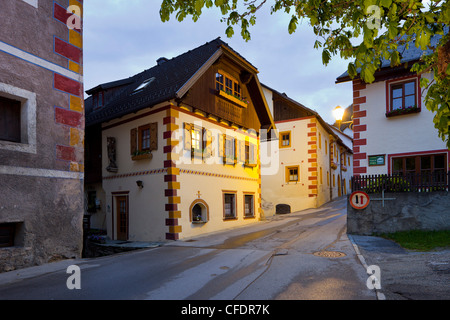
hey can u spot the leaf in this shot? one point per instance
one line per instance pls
(199, 5)
(229, 32)
(351, 69)
(326, 56)
(422, 40)
(424, 82)
(392, 31)
(293, 24)
(386, 3)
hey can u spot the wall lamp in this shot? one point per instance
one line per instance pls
(140, 184)
(338, 114)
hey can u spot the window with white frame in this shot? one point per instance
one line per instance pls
(17, 119)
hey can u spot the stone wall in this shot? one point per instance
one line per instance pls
(409, 211)
(41, 172)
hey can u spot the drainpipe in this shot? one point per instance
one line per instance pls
(329, 178)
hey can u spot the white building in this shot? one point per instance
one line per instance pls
(393, 130)
(315, 164)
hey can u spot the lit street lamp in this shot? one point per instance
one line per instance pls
(338, 114)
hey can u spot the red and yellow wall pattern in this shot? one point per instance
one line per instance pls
(70, 114)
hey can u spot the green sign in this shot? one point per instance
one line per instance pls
(376, 160)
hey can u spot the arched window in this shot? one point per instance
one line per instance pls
(199, 211)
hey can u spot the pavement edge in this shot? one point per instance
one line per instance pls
(362, 260)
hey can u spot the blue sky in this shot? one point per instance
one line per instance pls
(125, 37)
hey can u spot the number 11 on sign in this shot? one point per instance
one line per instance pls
(359, 200)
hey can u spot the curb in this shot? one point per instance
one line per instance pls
(362, 260)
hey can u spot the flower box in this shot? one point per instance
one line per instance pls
(402, 111)
(333, 165)
(233, 99)
(142, 156)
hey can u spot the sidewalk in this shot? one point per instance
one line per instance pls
(405, 274)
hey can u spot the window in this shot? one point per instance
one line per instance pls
(320, 175)
(7, 233)
(219, 81)
(17, 119)
(249, 205)
(285, 139)
(229, 205)
(98, 100)
(292, 174)
(425, 165)
(197, 140)
(320, 141)
(328, 178)
(226, 83)
(10, 120)
(230, 150)
(403, 95)
(143, 85)
(144, 139)
(250, 154)
(237, 90)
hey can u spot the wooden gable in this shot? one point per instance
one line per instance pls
(244, 110)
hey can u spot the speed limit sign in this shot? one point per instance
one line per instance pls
(359, 200)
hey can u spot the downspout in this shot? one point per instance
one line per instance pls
(329, 165)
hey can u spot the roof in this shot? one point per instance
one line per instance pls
(171, 80)
(409, 54)
(325, 125)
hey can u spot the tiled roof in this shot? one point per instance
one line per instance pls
(410, 54)
(169, 78)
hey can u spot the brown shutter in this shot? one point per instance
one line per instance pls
(221, 145)
(187, 136)
(252, 153)
(133, 141)
(237, 145)
(154, 136)
(242, 150)
(208, 142)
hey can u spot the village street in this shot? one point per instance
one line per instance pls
(276, 259)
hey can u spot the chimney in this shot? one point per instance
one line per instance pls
(161, 60)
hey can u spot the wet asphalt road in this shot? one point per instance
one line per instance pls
(300, 256)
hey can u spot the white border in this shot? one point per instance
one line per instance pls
(37, 172)
(28, 118)
(34, 3)
(39, 61)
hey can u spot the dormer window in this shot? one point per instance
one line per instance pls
(98, 99)
(143, 85)
(229, 88)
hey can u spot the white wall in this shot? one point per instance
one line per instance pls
(400, 134)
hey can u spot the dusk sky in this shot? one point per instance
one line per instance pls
(125, 37)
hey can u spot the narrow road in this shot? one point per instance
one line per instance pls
(300, 256)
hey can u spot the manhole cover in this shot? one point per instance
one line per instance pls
(329, 254)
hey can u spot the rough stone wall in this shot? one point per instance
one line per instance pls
(409, 211)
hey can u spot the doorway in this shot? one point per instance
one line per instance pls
(122, 217)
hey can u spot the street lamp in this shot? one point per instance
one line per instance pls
(338, 114)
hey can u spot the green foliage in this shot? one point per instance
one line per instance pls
(360, 30)
(420, 240)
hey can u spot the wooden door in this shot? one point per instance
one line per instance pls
(122, 217)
